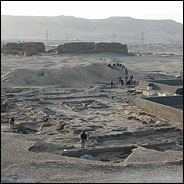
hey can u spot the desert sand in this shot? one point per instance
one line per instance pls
(125, 144)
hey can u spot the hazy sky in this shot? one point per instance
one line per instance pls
(97, 9)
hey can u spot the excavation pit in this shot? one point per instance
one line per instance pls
(83, 105)
(111, 154)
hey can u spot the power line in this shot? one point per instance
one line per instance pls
(142, 38)
(46, 34)
(113, 37)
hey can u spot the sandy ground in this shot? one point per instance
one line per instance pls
(126, 144)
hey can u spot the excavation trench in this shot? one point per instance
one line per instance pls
(115, 154)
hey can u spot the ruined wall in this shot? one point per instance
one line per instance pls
(171, 86)
(111, 47)
(91, 47)
(33, 48)
(27, 48)
(12, 48)
(30, 50)
(37, 45)
(76, 47)
(159, 106)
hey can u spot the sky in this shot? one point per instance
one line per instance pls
(149, 10)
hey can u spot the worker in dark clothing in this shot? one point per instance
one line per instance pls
(131, 78)
(122, 82)
(111, 84)
(120, 79)
(126, 79)
(83, 139)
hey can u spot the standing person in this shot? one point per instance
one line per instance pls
(122, 82)
(120, 79)
(83, 139)
(111, 84)
(126, 79)
(126, 71)
(131, 78)
(123, 67)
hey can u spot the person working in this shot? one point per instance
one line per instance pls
(83, 139)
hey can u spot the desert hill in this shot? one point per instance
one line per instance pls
(121, 29)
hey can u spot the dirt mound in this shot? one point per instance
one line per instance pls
(142, 155)
(64, 76)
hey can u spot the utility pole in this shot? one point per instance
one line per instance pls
(46, 34)
(67, 37)
(113, 37)
(136, 39)
(142, 38)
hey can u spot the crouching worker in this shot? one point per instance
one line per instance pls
(83, 139)
(12, 125)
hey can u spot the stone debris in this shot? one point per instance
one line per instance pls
(88, 157)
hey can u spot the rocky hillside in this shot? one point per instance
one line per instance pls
(68, 28)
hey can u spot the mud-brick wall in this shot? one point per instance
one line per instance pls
(111, 47)
(161, 107)
(171, 86)
(33, 48)
(27, 48)
(39, 46)
(76, 47)
(30, 50)
(91, 47)
(12, 48)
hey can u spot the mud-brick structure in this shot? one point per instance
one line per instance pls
(26, 48)
(33, 48)
(111, 47)
(174, 86)
(91, 47)
(167, 107)
(12, 48)
(76, 47)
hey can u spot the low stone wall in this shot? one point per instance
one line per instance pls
(91, 47)
(172, 101)
(27, 48)
(170, 82)
(171, 86)
(163, 107)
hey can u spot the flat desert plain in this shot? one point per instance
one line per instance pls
(56, 97)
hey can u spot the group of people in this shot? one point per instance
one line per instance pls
(130, 80)
(127, 80)
(122, 82)
(113, 65)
